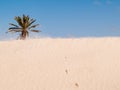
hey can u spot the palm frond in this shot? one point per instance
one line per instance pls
(19, 21)
(31, 22)
(17, 28)
(25, 21)
(35, 30)
(14, 30)
(13, 25)
(33, 26)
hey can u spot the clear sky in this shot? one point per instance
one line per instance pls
(65, 18)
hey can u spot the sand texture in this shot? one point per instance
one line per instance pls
(60, 64)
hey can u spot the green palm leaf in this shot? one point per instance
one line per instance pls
(13, 25)
(31, 22)
(14, 30)
(33, 26)
(35, 30)
(19, 21)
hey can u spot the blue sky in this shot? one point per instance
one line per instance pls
(65, 18)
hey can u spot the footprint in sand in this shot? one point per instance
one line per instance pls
(76, 84)
(66, 71)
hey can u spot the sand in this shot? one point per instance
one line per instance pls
(60, 64)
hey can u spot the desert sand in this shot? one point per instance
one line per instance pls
(60, 64)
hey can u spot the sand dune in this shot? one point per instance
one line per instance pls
(60, 64)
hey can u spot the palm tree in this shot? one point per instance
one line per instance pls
(24, 25)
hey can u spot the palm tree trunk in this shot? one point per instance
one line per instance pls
(24, 35)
